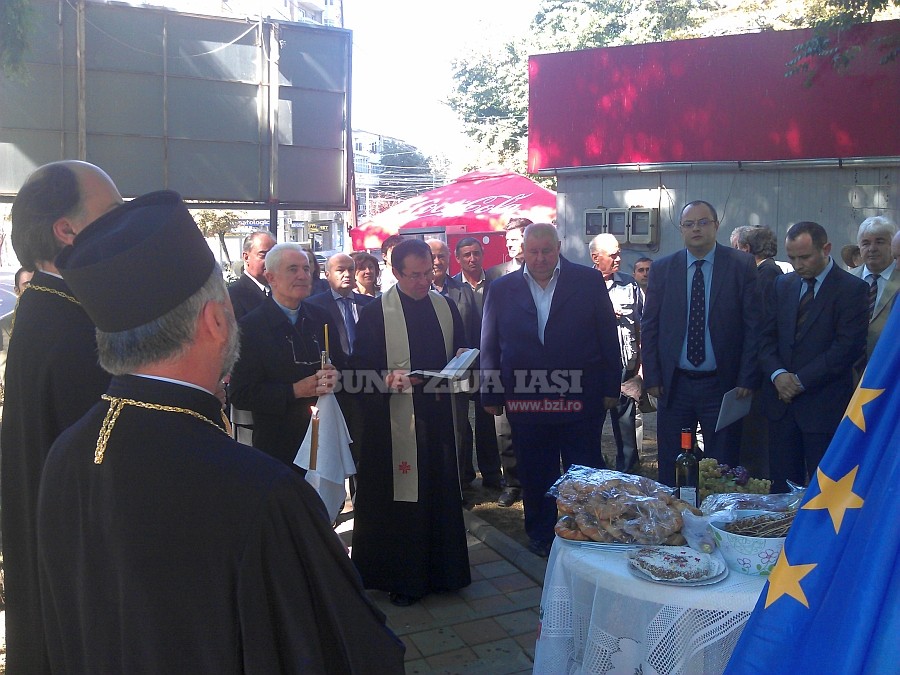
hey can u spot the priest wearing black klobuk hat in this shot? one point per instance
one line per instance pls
(163, 544)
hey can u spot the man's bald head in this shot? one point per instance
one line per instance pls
(339, 272)
(56, 202)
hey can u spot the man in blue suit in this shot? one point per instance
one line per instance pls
(550, 355)
(342, 302)
(699, 337)
(815, 330)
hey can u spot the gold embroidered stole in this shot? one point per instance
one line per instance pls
(405, 468)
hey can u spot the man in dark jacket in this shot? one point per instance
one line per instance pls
(52, 378)
(164, 545)
(280, 374)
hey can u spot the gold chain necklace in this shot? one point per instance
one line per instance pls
(42, 289)
(47, 289)
(115, 407)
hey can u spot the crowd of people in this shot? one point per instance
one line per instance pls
(121, 474)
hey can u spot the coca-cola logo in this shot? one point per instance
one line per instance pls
(481, 205)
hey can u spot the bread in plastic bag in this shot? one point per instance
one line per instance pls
(614, 507)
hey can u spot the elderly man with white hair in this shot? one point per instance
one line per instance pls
(879, 270)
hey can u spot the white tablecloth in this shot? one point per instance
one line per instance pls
(597, 617)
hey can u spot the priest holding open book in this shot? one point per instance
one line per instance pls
(409, 538)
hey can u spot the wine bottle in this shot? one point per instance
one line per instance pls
(687, 470)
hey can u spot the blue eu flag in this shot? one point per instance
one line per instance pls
(832, 603)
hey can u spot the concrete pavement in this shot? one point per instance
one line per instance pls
(490, 627)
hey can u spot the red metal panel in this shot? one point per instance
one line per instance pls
(710, 99)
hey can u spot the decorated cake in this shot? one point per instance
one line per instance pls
(675, 563)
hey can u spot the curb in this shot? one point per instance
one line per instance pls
(532, 566)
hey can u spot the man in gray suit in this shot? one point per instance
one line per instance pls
(879, 270)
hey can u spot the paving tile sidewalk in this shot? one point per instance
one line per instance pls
(490, 627)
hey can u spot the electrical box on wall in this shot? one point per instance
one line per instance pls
(636, 225)
(617, 224)
(594, 223)
(642, 225)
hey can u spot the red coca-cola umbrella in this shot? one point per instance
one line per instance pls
(479, 201)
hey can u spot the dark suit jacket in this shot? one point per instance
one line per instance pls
(768, 271)
(733, 317)
(327, 302)
(245, 296)
(262, 380)
(579, 340)
(501, 270)
(464, 299)
(832, 338)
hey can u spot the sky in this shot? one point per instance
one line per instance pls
(402, 51)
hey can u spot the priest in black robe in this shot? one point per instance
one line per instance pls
(52, 378)
(164, 545)
(409, 537)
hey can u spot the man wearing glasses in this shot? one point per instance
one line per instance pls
(699, 337)
(409, 538)
(279, 374)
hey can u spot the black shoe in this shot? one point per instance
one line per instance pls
(402, 600)
(539, 548)
(509, 496)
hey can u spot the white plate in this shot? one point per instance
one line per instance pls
(675, 582)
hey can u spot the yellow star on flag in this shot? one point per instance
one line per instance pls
(785, 580)
(836, 496)
(855, 408)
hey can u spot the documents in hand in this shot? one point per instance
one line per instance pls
(732, 409)
(455, 369)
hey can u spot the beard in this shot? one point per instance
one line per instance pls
(231, 351)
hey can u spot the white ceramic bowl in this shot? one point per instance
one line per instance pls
(755, 556)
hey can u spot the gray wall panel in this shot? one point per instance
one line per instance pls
(124, 103)
(214, 51)
(120, 39)
(311, 58)
(209, 110)
(222, 171)
(21, 152)
(180, 101)
(135, 164)
(312, 119)
(34, 103)
(310, 175)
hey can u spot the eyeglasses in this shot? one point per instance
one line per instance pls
(315, 342)
(689, 224)
(419, 276)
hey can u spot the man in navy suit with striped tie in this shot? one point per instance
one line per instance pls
(815, 330)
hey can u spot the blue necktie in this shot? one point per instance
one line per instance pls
(349, 323)
(696, 335)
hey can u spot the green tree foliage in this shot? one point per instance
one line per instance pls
(16, 18)
(491, 86)
(217, 224)
(831, 19)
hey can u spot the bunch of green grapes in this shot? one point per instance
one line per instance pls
(716, 478)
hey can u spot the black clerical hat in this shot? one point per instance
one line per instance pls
(137, 262)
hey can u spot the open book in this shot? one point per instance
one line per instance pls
(454, 370)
